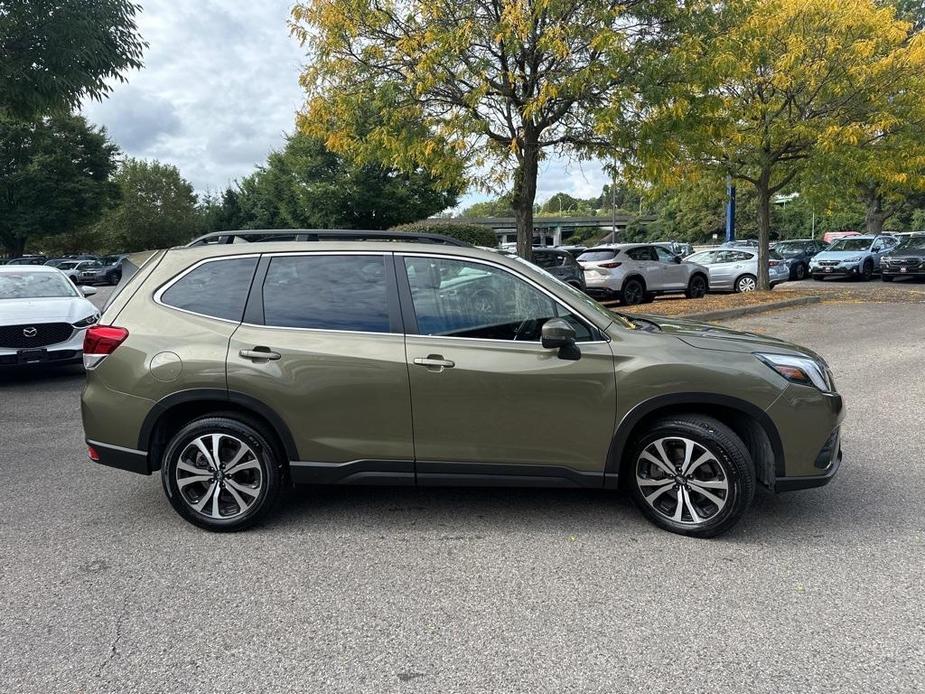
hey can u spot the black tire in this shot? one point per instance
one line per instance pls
(696, 287)
(633, 292)
(886, 278)
(268, 474)
(648, 297)
(799, 271)
(746, 283)
(818, 278)
(867, 271)
(730, 464)
(112, 279)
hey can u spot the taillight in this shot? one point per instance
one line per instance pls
(774, 263)
(100, 341)
(610, 266)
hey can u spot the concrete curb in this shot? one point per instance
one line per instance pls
(727, 313)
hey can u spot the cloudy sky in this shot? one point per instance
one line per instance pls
(219, 90)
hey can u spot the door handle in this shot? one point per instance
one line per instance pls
(259, 353)
(435, 362)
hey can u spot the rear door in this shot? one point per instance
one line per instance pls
(321, 345)
(488, 398)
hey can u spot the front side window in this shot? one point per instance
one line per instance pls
(458, 298)
(664, 255)
(327, 292)
(217, 288)
(641, 253)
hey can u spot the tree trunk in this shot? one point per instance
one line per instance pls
(874, 214)
(763, 189)
(523, 196)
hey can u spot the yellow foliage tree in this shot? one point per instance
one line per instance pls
(774, 86)
(493, 84)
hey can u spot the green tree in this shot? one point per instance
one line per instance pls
(306, 185)
(54, 177)
(500, 82)
(773, 84)
(157, 208)
(497, 207)
(56, 53)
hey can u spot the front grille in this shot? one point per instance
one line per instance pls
(31, 335)
(829, 263)
(911, 263)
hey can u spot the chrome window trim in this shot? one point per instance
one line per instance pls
(519, 275)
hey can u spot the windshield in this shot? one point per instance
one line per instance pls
(597, 256)
(850, 245)
(912, 244)
(34, 285)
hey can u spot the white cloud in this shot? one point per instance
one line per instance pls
(219, 91)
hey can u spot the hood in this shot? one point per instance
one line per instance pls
(839, 255)
(719, 338)
(66, 309)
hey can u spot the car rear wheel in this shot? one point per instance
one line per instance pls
(221, 474)
(633, 292)
(691, 475)
(696, 288)
(746, 283)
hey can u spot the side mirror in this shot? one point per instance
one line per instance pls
(677, 259)
(88, 291)
(558, 334)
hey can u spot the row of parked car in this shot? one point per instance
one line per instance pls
(637, 272)
(80, 269)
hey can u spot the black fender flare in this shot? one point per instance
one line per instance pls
(217, 394)
(647, 407)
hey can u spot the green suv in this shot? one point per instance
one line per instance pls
(236, 367)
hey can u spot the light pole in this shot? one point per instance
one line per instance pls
(730, 209)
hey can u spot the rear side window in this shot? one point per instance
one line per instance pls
(217, 288)
(327, 292)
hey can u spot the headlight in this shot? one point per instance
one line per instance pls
(852, 260)
(803, 370)
(88, 321)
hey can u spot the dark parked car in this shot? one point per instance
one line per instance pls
(560, 264)
(906, 260)
(111, 270)
(798, 253)
(574, 251)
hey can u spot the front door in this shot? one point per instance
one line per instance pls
(487, 399)
(674, 273)
(321, 346)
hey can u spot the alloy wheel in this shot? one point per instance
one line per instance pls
(219, 476)
(747, 284)
(632, 293)
(698, 287)
(682, 480)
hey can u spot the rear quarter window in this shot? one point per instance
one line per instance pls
(217, 288)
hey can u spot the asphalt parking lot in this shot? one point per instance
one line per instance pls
(105, 588)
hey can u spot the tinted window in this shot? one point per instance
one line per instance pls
(217, 288)
(457, 298)
(597, 256)
(642, 253)
(545, 260)
(327, 292)
(664, 255)
(912, 244)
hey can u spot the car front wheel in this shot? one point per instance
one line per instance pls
(799, 271)
(867, 271)
(696, 288)
(221, 474)
(692, 475)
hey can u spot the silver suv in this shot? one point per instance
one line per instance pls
(636, 272)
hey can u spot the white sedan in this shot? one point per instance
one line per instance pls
(43, 316)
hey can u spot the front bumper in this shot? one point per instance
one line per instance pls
(809, 426)
(841, 270)
(69, 351)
